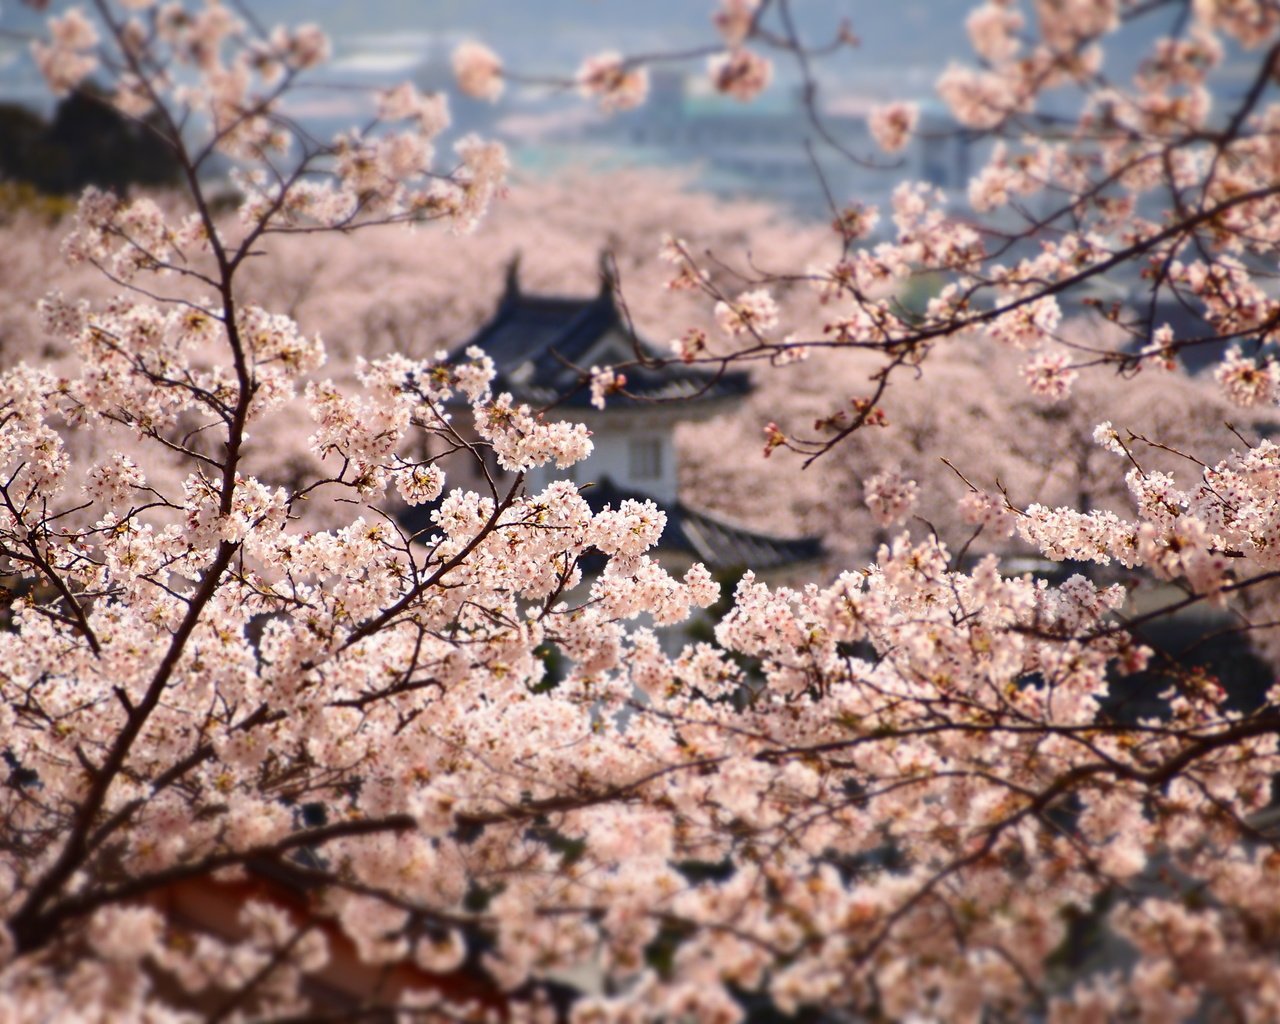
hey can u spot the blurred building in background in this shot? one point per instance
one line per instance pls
(779, 147)
(540, 344)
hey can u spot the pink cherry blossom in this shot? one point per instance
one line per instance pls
(478, 70)
(615, 85)
(891, 126)
(901, 784)
(741, 73)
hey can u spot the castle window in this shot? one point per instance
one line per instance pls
(645, 458)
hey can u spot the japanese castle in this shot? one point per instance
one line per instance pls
(541, 344)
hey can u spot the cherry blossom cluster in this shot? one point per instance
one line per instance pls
(891, 125)
(741, 73)
(1220, 531)
(617, 86)
(478, 70)
(473, 744)
(890, 497)
(619, 83)
(1088, 198)
(348, 620)
(209, 65)
(68, 57)
(754, 313)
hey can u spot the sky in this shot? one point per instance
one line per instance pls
(906, 42)
(380, 42)
(905, 45)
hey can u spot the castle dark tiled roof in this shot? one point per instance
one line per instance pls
(717, 544)
(540, 344)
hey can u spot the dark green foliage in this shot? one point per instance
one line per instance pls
(554, 661)
(700, 871)
(88, 142)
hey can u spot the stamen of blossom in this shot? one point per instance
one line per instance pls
(613, 82)
(1245, 382)
(890, 496)
(605, 382)
(891, 126)
(1160, 350)
(856, 221)
(1050, 376)
(690, 345)
(981, 509)
(419, 484)
(1106, 436)
(752, 312)
(741, 73)
(773, 438)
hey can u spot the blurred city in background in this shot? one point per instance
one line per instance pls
(766, 149)
(769, 149)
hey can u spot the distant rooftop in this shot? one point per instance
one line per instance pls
(540, 345)
(715, 543)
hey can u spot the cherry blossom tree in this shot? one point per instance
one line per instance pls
(896, 794)
(970, 408)
(419, 292)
